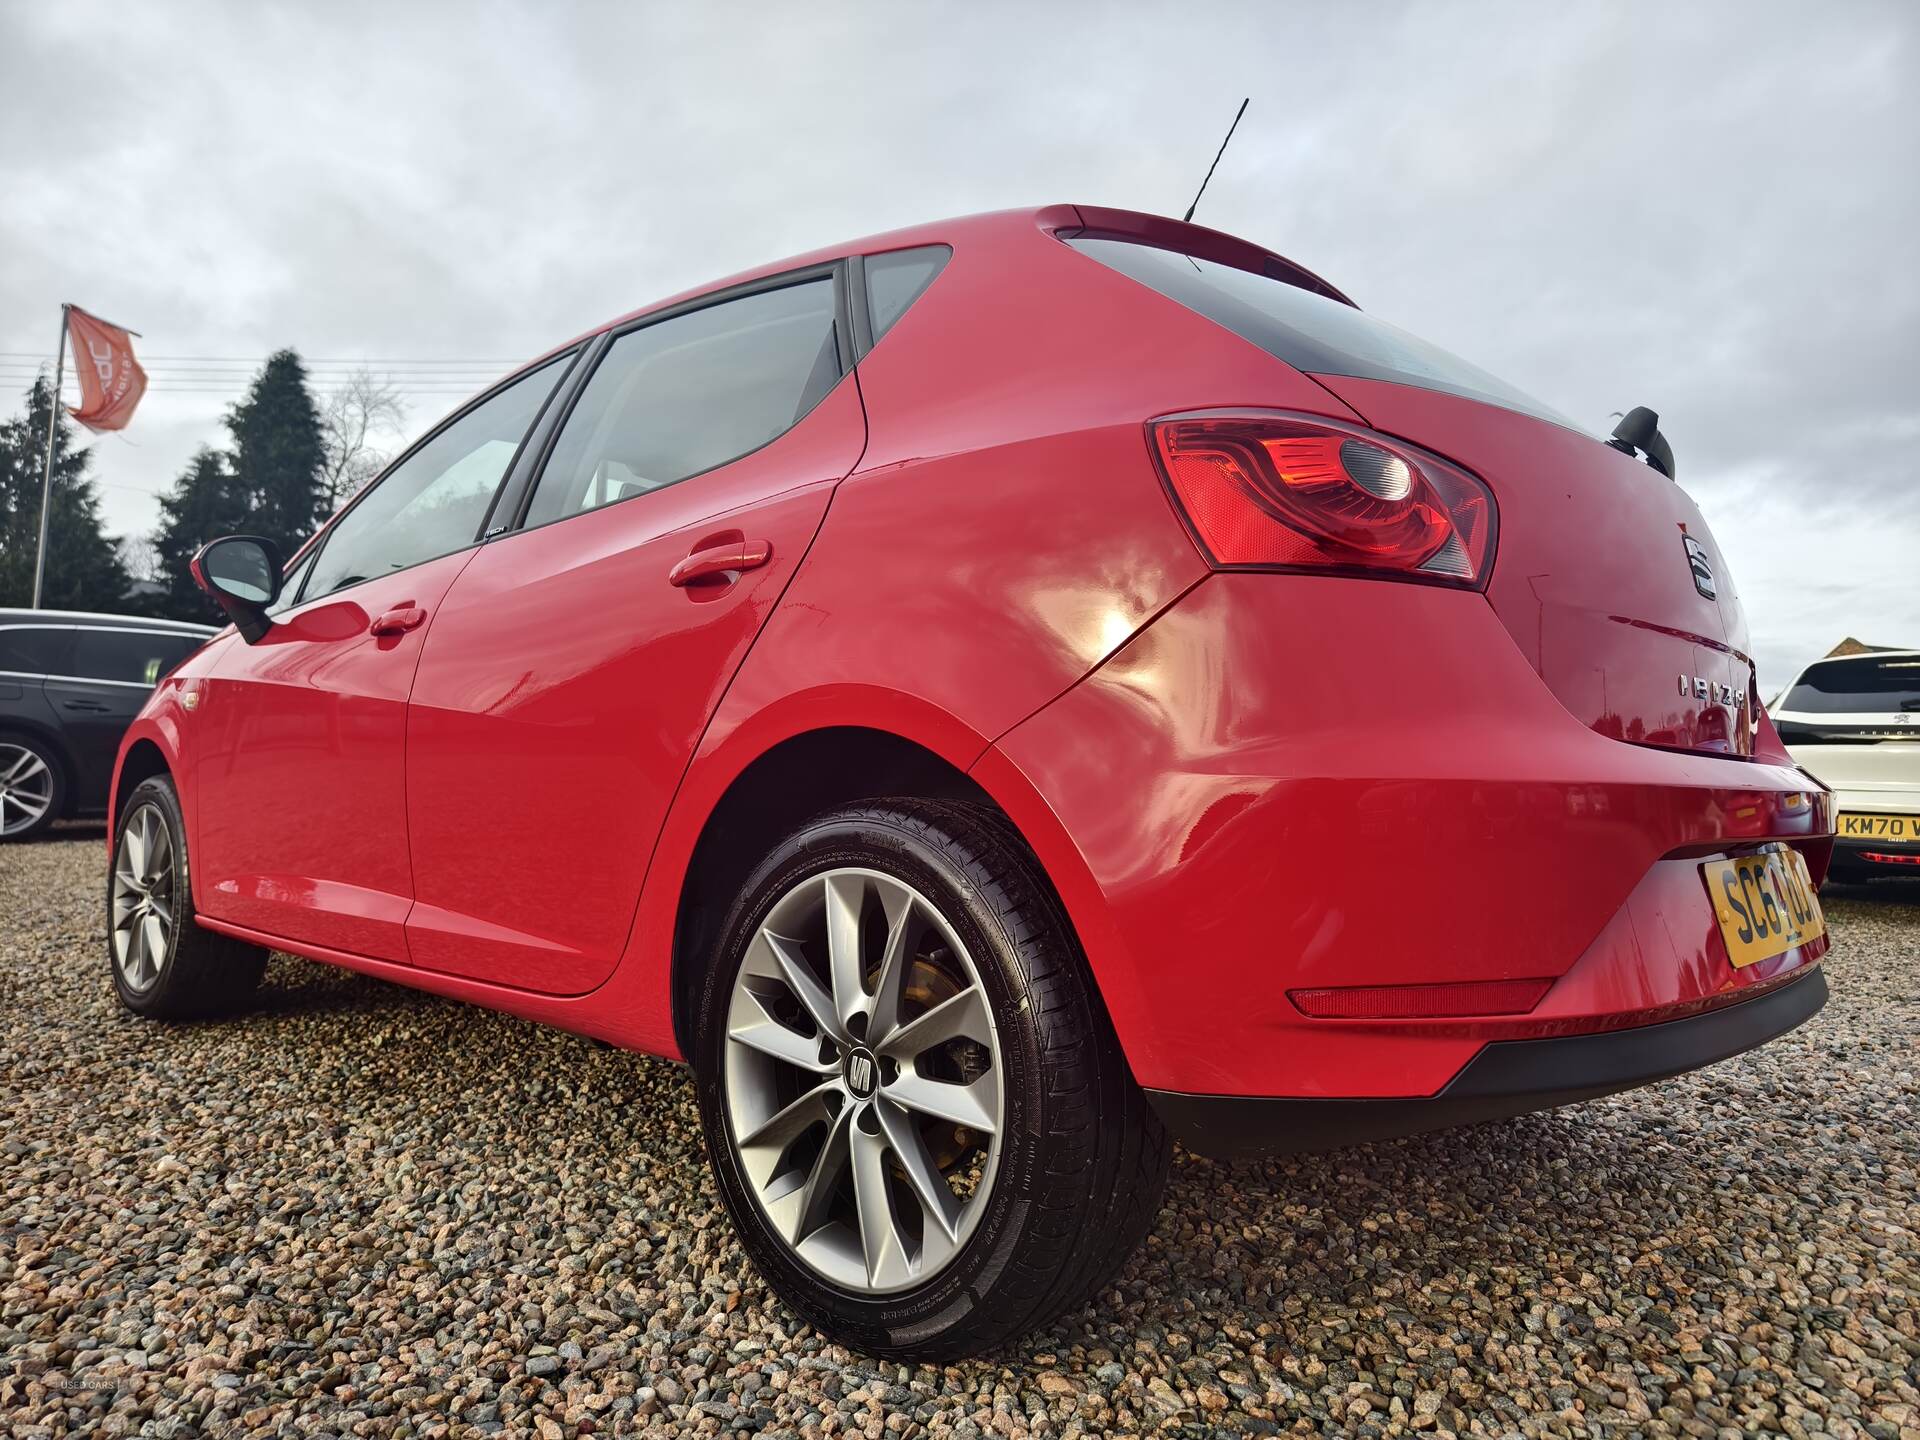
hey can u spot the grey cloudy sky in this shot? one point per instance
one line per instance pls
(1707, 209)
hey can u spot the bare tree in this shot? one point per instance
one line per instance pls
(141, 557)
(355, 413)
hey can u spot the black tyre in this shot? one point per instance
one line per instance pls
(33, 786)
(163, 964)
(917, 1112)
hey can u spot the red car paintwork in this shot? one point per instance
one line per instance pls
(1237, 783)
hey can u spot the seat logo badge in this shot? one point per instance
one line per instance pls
(860, 1074)
(1697, 562)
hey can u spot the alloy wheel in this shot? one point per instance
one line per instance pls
(143, 898)
(863, 1081)
(26, 789)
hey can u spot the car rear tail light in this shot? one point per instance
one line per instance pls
(1421, 1002)
(1284, 492)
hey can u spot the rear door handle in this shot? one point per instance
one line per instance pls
(719, 559)
(398, 620)
(91, 706)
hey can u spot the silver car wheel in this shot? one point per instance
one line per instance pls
(26, 789)
(863, 1081)
(143, 898)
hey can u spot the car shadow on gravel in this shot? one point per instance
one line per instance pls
(296, 986)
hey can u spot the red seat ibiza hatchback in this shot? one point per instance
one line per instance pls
(996, 698)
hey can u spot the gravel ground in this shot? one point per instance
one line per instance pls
(363, 1211)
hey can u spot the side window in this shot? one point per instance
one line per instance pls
(128, 657)
(432, 503)
(898, 278)
(34, 650)
(686, 394)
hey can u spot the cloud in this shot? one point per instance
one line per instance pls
(1708, 209)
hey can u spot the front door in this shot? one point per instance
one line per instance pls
(574, 666)
(300, 779)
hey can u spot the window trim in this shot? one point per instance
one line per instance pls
(835, 270)
(325, 534)
(194, 635)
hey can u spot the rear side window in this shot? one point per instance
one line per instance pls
(1308, 331)
(1859, 684)
(689, 393)
(898, 278)
(128, 657)
(32, 650)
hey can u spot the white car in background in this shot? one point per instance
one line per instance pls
(1854, 723)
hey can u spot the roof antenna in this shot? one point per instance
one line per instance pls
(1216, 159)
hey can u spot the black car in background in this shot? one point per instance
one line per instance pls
(69, 684)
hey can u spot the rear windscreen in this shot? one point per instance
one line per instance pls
(1857, 685)
(1308, 331)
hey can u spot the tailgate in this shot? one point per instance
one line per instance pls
(1593, 576)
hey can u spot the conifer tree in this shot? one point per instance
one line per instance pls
(204, 504)
(278, 456)
(84, 568)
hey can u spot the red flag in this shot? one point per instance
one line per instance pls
(111, 380)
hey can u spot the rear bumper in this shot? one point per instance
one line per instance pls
(1293, 783)
(1508, 1077)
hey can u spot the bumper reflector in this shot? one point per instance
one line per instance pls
(1885, 859)
(1421, 1002)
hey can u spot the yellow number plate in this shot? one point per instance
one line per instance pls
(1880, 827)
(1765, 903)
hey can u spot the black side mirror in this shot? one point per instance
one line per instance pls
(242, 574)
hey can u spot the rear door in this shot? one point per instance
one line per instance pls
(106, 677)
(574, 665)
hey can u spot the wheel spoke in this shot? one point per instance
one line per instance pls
(810, 1205)
(843, 896)
(880, 1239)
(18, 767)
(136, 953)
(125, 905)
(960, 1016)
(937, 1200)
(162, 844)
(970, 1105)
(781, 1128)
(161, 909)
(752, 1026)
(156, 937)
(799, 979)
(893, 964)
(149, 845)
(134, 843)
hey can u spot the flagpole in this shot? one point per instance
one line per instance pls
(46, 476)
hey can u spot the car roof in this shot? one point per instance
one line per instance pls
(103, 620)
(1137, 225)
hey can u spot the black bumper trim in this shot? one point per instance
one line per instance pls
(1507, 1077)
